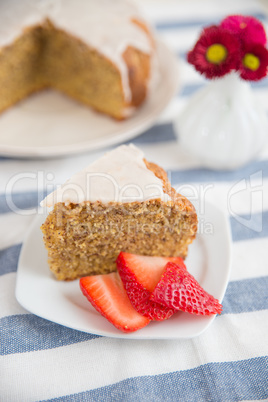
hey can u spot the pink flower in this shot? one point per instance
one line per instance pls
(216, 53)
(254, 62)
(249, 29)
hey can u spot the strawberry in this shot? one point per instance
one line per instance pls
(107, 294)
(178, 289)
(140, 275)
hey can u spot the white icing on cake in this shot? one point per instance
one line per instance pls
(119, 176)
(104, 25)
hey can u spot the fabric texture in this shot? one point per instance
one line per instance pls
(43, 361)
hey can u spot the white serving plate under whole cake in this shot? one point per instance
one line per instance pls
(49, 124)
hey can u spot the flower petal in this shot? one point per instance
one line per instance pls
(254, 62)
(249, 29)
(216, 53)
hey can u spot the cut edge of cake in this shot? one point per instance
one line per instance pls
(46, 55)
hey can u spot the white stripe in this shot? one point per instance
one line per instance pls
(234, 199)
(168, 155)
(238, 198)
(169, 10)
(249, 259)
(180, 40)
(13, 228)
(264, 5)
(229, 339)
(8, 302)
(188, 74)
(34, 175)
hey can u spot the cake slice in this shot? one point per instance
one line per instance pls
(121, 202)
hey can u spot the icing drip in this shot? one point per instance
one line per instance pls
(119, 176)
(104, 25)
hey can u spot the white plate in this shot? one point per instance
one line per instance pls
(209, 260)
(49, 124)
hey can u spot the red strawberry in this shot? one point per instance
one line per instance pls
(140, 275)
(107, 294)
(179, 290)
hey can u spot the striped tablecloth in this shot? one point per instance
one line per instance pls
(41, 360)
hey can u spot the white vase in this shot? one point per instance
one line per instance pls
(223, 126)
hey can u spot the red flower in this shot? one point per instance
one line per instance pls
(249, 29)
(254, 62)
(216, 53)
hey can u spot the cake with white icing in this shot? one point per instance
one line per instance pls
(97, 52)
(121, 202)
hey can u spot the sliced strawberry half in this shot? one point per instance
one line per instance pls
(140, 275)
(179, 290)
(107, 294)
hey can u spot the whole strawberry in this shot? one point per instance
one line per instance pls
(179, 290)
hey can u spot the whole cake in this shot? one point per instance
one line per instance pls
(121, 202)
(98, 52)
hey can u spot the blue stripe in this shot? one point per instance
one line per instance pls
(19, 201)
(227, 381)
(158, 133)
(260, 84)
(9, 259)
(182, 54)
(28, 333)
(246, 296)
(206, 175)
(190, 89)
(4, 158)
(247, 227)
(182, 24)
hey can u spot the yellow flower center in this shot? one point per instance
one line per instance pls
(216, 53)
(251, 61)
(243, 25)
